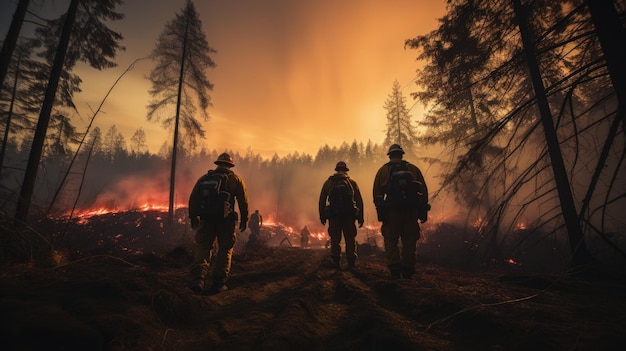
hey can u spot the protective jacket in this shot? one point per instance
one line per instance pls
(235, 186)
(383, 178)
(325, 193)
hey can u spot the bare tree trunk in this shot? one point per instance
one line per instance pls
(28, 185)
(612, 37)
(11, 39)
(580, 256)
(9, 117)
(170, 214)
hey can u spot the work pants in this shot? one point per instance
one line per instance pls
(346, 226)
(224, 231)
(401, 226)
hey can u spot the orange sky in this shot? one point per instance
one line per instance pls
(291, 75)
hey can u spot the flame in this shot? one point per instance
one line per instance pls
(83, 215)
(480, 224)
(320, 235)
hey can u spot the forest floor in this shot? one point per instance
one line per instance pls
(284, 297)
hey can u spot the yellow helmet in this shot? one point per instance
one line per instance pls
(395, 148)
(224, 160)
(341, 166)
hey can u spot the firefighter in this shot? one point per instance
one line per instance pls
(400, 213)
(305, 233)
(211, 227)
(341, 204)
(255, 223)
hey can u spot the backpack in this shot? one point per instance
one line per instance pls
(214, 199)
(341, 199)
(404, 191)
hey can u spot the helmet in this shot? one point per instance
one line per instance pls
(341, 166)
(224, 160)
(395, 148)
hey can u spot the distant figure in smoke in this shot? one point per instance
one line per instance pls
(401, 199)
(212, 214)
(341, 204)
(255, 223)
(304, 237)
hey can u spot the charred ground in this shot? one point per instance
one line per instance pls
(112, 290)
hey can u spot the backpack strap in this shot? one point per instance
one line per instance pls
(392, 165)
(225, 172)
(334, 179)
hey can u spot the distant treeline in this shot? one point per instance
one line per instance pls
(107, 174)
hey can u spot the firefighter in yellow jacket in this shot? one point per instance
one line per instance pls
(341, 204)
(212, 214)
(401, 199)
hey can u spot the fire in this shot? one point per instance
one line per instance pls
(85, 214)
(319, 235)
(480, 224)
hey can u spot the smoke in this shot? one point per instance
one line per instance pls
(135, 192)
(284, 190)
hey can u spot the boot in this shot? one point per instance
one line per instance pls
(198, 274)
(407, 273)
(217, 287)
(197, 285)
(337, 263)
(395, 272)
(351, 262)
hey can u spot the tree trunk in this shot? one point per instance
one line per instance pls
(11, 39)
(170, 214)
(7, 128)
(612, 37)
(580, 256)
(28, 185)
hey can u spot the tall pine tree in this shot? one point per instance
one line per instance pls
(75, 30)
(182, 56)
(400, 129)
(483, 108)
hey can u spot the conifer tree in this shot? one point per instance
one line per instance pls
(138, 142)
(400, 130)
(16, 103)
(483, 108)
(76, 30)
(182, 56)
(10, 42)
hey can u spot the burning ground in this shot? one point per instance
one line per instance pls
(117, 282)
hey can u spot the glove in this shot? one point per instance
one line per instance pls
(360, 223)
(243, 225)
(380, 213)
(195, 222)
(323, 220)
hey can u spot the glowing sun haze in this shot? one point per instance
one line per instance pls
(291, 75)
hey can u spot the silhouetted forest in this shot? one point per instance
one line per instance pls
(283, 188)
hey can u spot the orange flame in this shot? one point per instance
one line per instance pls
(85, 214)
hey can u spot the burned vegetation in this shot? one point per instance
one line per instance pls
(117, 281)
